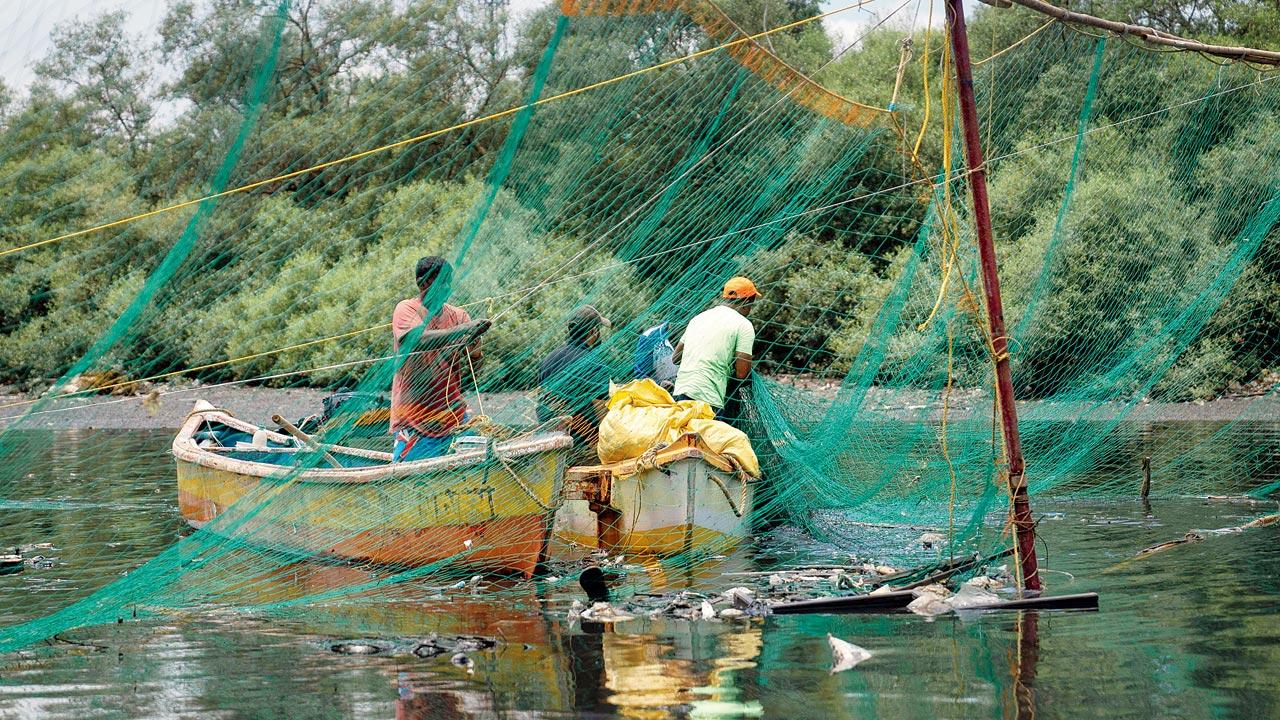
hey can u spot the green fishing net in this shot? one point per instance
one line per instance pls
(1134, 195)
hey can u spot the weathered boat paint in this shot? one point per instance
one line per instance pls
(487, 508)
(685, 498)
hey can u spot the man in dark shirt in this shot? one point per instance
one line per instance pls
(572, 382)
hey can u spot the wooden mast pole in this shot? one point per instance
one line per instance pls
(1023, 525)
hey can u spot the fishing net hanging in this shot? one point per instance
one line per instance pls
(634, 156)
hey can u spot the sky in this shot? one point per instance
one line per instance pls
(25, 25)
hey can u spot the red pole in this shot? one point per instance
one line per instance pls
(1023, 526)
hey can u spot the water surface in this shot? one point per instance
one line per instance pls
(1191, 632)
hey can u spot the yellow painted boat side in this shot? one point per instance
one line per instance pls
(489, 507)
(455, 497)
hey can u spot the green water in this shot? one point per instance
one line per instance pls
(1190, 632)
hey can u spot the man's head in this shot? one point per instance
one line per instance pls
(435, 282)
(740, 294)
(584, 326)
(430, 269)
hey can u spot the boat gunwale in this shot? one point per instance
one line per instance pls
(688, 446)
(185, 449)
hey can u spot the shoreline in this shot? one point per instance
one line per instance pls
(167, 408)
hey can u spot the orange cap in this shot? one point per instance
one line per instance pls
(740, 288)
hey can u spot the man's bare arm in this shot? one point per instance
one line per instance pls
(675, 357)
(741, 365)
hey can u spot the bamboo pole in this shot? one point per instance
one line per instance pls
(1023, 525)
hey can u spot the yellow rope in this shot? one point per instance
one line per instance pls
(948, 221)
(924, 60)
(924, 76)
(208, 366)
(1025, 38)
(942, 438)
(904, 57)
(431, 134)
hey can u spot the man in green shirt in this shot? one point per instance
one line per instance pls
(717, 344)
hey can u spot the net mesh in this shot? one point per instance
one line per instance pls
(567, 160)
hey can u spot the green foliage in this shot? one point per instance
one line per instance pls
(818, 305)
(806, 47)
(331, 251)
(106, 75)
(1108, 291)
(51, 298)
(1136, 231)
(318, 292)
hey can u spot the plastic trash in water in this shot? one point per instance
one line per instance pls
(844, 654)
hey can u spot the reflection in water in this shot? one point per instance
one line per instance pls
(693, 668)
(1024, 674)
(1188, 633)
(641, 669)
(693, 663)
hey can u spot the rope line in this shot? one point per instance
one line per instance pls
(701, 161)
(542, 285)
(433, 133)
(1016, 43)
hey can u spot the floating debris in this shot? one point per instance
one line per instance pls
(461, 660)
(473, 643)
(435, 646)
(356, 648)
(739, 597)
(937, 589)
(970, 595)
(1197, 535)
(930, 540)
(1001, 573)
(604, 612)
(1189, 537)
(787, 586)
(929, 606)
(986, 583)
(844, 654)
(430, 649)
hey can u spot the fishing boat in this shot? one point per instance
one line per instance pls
(490, 506)
(682, 498)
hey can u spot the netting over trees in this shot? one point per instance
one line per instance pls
(568, 160)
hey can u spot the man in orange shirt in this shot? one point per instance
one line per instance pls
(427, 406)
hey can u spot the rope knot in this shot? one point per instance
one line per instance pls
(648, 459)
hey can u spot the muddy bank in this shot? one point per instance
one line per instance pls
(168, 406)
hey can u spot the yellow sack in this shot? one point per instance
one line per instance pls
(642, 415)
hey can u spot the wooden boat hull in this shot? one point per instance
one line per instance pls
(489, 509)
(686, 500)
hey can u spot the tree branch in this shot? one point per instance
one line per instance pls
(1153, 36)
